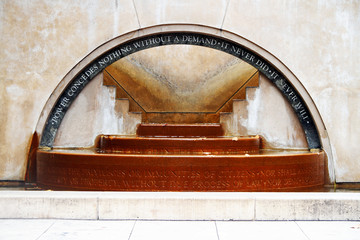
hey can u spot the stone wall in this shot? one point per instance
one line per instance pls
(319, 41)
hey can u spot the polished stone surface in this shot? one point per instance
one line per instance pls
(39, 229)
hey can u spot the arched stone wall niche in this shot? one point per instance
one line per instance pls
(74, 88)
(285, 80)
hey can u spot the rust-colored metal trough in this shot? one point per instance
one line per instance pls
(173, 163)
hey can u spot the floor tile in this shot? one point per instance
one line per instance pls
(27, 229)
(259, 230)
(89, 229)
(333, 230)
(174, 230)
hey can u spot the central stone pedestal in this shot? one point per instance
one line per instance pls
(166, 162)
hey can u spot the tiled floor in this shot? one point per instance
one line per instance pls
(225, 230)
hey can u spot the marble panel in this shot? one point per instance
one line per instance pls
(181, 11)
(267, 113)
(96, 111)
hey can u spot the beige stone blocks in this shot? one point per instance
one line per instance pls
(157, 12)
(40, 204)
(308, 206)
(176, 206)
(318, 41)
(41, 42)
(180, 206)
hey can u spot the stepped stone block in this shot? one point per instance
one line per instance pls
(162, 102)
(176, 145)
(184, 130)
